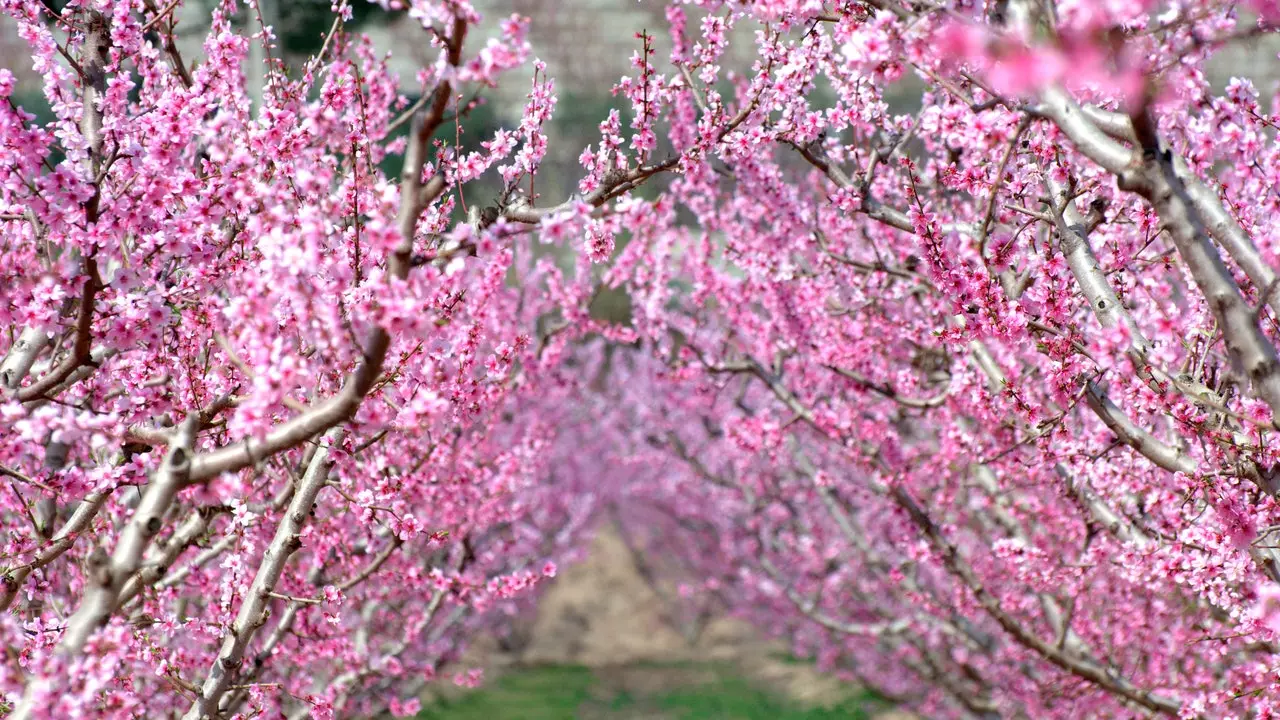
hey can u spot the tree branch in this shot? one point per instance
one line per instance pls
(414, 198)
(106, 583)
(253, 607)
(1150, 173)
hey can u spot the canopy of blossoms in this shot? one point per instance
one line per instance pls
(972, 402)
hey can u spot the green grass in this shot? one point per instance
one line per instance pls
(688, 691)
(734, 697)
(553, 692)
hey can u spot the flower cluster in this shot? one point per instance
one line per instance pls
(972, 399)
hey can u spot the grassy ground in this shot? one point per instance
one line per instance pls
(649, 691)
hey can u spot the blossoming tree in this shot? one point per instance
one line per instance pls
(973, 402)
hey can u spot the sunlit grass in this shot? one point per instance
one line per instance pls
(684, 691)
(541, 693)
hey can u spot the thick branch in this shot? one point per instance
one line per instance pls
(1103, 677)
(253, 608)
(106, 583)
(1150, 173)
(22, 355)
(1220, 223)
(1146, 444)
(167, 552)
(97, 44)
(59, 544)
(414, 198)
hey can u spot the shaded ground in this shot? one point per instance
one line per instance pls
(604, 646)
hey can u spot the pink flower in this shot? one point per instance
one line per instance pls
(404, 708)
(470, 678)
(1267, 10)
(1238, 526)
(1267, 607)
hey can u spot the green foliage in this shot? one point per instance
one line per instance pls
(302, 24)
